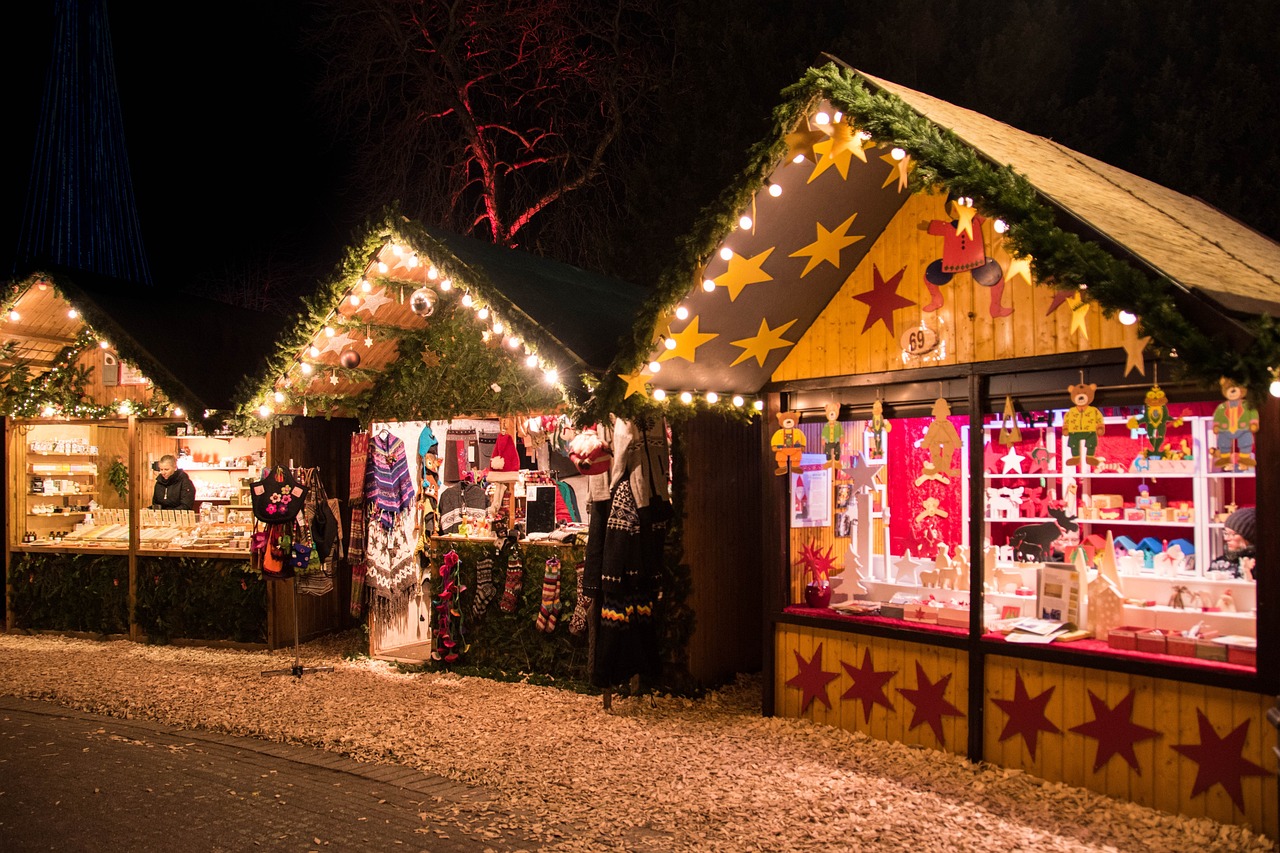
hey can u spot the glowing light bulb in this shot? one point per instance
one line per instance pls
(382, 267)
(412, 262)
(365, 285)
(775, 190)
(279, 396)
(531, 360)
(758, 405)
(177, 411)
(822, 118)
(1000, 226)
(397, 250)
(686, 397)
(726, 254)
(328, 331)
(744, 222)
(483, 313)
(1128, 318)
(446, 284)
(355, 299)
(513, 342)
(659, 394)
(47, 411)
(551, 375)
(708, 285)
(1275, 388)
(669, 343)
(14, 315)
(314, 352)
(432, 272)
(126, 407)
(897, 154)
(306, 368)
(72, 314)
(498, 328)
(104, 344)
(682, 313)
(713, 397)
(655, 366)
(738, 401)
(799, 158)
(467, 300)
(264, 410)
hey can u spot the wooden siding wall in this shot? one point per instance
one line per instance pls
(835, 344)
(101, 394)
(723, 545)
(310, 443)
(840, 648)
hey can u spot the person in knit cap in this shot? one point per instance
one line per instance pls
(1239, 538)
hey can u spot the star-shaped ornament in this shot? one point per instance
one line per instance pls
(430, 359)
(1221, 760)
(373, 301)
(836, 150)
(687, 341)
(1012, 461)
(861, 474)
(899, 170)
(743, 271)
(368, 341)
(1079, 311)
(337, 343)
(1059, 296)
(1019, 268)
(635, 381)
(333, 379)
(883, 299)
(964, 218)
(906, 568)
(868, 685)
(930, 703)
(801, 142)
(812, 679)
(1115, 731)
(990, 458)
(828, 245)
(1026, 715)
(1134, 347)
(766, 340)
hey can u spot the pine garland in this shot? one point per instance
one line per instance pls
(943, 162)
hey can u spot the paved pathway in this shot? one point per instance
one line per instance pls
(74, 781)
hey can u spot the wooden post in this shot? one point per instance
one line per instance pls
(1268, 505)
(137, 484)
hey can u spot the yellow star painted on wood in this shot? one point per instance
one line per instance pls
(828, 245)
(1134, 347)
(801, 142)
(687, 342)
(743, 271)
(635, 381)
(964, 219)
(1079, 310)
(898, 170)
(1019, 267)
(837, 150)
(766, 340)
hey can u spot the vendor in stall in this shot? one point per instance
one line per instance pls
(174, 489)
(1239, 532)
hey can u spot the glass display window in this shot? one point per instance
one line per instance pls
(69, 481)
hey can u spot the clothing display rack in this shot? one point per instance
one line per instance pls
(297, 670)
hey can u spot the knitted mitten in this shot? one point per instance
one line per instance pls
(515, 583)
(550, 610)
(486, 590)
(581, 609)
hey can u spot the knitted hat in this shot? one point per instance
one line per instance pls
(1245, 522)
(505, 462)
(427, 442)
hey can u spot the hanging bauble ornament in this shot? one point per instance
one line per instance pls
(349, 359)
(423, 302)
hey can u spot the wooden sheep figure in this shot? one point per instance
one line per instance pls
(1001, 579)
(929, 579)
(1033, 541)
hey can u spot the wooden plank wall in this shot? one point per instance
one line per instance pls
(96, 392)
(896, 656)
(1165, 777)
(835, 344)
(722, 545)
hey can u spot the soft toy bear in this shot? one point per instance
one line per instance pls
(1082, 423)
(787, 441)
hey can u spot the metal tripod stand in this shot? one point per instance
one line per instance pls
(297, 670)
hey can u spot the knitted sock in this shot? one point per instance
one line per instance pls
(582, 607)
(485, 588)
(515, 583)
(550, 609)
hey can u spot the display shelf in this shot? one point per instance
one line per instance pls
(1135, 523)
(1036, 476)
(44, 453)
(216, 468)
(56, 514)
(1133, 475)
(62, 494)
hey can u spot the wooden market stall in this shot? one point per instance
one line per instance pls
(999, 473)
(440, 349)
(103, 379)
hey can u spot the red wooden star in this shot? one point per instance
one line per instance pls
(868, 685)
(1026, 715)
(991, 458)
(883, 299)
(812, 679)
(1115, 731)
(930, 705)
(1220, 759)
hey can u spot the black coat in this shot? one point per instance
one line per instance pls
(174, 492)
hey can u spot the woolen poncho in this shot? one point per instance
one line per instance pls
(388, 481)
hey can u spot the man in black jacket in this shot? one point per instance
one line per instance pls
(174, 489)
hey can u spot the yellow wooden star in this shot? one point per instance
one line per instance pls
(837, 150)
(828, 245)
(964, 219)
(898, 170)
(687, 342)
(1079, 310)
(1133, 348)
(765, 341)
(743, 271)
(635, 381)
(801, 142)
(1019, 267)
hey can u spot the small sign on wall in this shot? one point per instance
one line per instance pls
(810, 493)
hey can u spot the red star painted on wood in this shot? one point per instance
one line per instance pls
(1059, 297)
(1115, 731)
(1026, 715)
(812, 679)
(1220, 759)
(883, 299)
(868, 685)
(930, 704)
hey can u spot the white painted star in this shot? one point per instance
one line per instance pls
(1012, 460)
(337, 343)
(373, 301)
(333, 379)
(368, 342)
(862, 474)
(906, 569)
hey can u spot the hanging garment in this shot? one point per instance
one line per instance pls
(485, 443)
(633, 552)
(464, 501)
(388, 482)
(320, 528)
(392, 570)
(459, 450)
(567, 504)
(356, 537)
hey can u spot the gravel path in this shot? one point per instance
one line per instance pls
(658, 773)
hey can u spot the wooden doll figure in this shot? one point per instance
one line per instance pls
(942, 441)
(1154, 420)
(787, 442)
(1083, 424)
(832, 435)
(1234, 423)
(876, 430)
